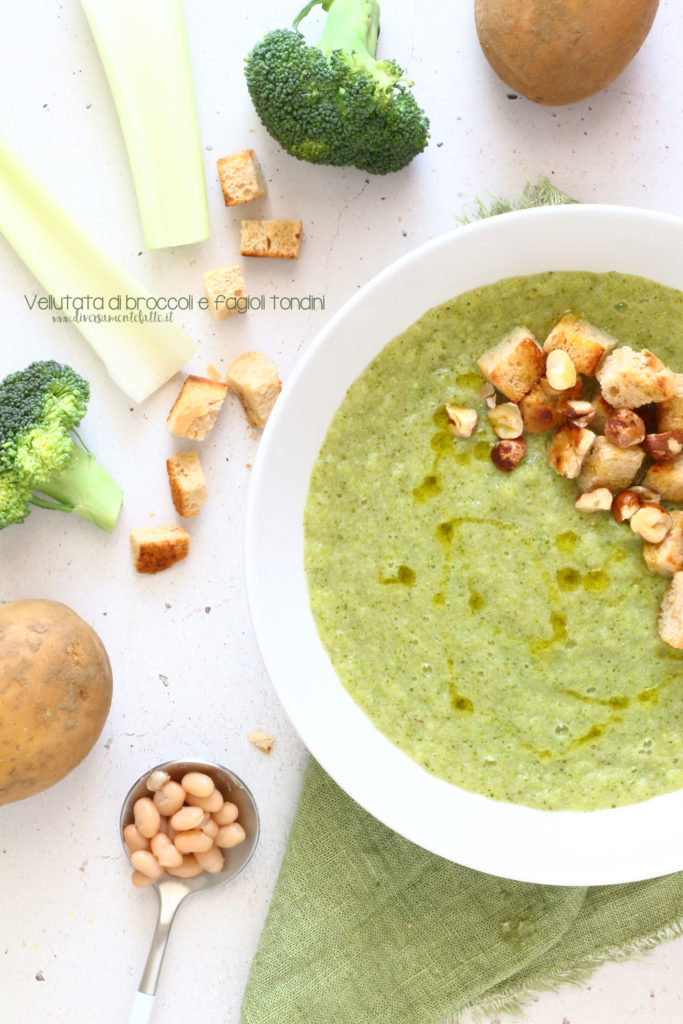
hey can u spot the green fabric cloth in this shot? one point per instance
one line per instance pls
(367, 928)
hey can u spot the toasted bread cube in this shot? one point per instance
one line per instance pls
(224, 287)
(241, 177)
(609, 466)
(514, 364)
(187, 482)
(630, 379)
(666, 558)
(256, 383)
(541, 407)
(584, 344)
(603, 411)
(670, 414)
(670, 618)
(155, 548)
(277, 238)
(194, 411)
(568, 449)
(666, 478)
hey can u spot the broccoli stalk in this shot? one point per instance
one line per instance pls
(42, 460)
(335, 103)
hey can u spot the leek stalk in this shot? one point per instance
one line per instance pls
(143, 47)
(139, 356)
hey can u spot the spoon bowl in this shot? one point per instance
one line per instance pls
(172, 890)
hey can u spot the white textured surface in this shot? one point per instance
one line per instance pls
(73, 933)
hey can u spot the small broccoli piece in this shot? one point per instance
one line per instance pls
(42, 460)
(335, 103)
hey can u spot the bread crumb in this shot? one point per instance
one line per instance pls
(241, 177)
(272, 238)
(256, 383)
(187, 482)
(261, 740)
(225, 291)
(194, 411)
(155, 548)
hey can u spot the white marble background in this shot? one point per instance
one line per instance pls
(73, 933)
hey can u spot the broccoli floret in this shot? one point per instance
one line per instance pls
(335, 103)
(42, 459)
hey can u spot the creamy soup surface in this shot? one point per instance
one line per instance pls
(504, 641)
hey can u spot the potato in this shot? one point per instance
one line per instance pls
(561, 51)
(55, 694)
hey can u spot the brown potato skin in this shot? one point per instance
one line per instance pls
(55, 694)
(556, 52)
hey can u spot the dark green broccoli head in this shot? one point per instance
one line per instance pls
(39, 406)
(334, 103)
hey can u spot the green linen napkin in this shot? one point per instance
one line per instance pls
(366, 928)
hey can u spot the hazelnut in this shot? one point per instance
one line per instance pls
(664, 446)
(508, 454)
(652, 523)
(461, 422)
(624, 428)
(646, 494)
(560, 371)
(506, 420)
(487, 394)
(578, 412)
(625, 504)
(599, 500)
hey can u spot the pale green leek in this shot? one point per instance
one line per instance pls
(139, 356)
(143, 47)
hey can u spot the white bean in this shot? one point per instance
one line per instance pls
(198, 784)
(146, 817)
(187, 817)
(230, 835)
(145, 862)
(227, 814)
(170, 798)
(133, 840)
(211, 860)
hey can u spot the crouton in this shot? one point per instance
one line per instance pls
(224, 287)
(241, 177)
(514, 364)
(603, 411)
(666, 478)
(187, 482)
(584, 344)
(542, 406)
(630, 379)
(670, 414)
(276, 238)
(256, 383)
(194, 411)
(608, 466)
(568, 449)
(666, 558)
(670, 618)
(155, 548)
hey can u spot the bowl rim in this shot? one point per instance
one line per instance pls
(617, 845)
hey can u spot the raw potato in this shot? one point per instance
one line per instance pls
(561, 51)
(55, 694)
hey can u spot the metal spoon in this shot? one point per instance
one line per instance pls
(172, 891)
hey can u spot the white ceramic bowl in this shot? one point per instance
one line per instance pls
(567, 848)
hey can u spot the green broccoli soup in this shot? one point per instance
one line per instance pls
(502, 639)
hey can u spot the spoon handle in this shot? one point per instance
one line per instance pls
(171, 894)
(141, 1010)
